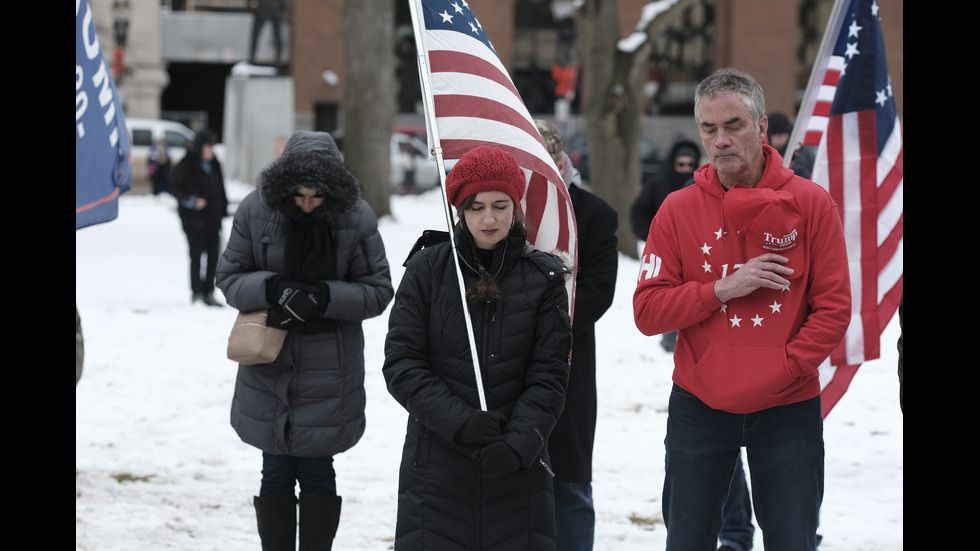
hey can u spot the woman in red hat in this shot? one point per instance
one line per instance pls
(475, 478)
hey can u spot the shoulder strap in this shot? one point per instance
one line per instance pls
(427, 239)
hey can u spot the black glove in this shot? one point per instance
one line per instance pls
(481, 428)
(292, 304)
(498, 460)
(323, 295)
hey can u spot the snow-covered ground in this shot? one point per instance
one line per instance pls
(157, 465)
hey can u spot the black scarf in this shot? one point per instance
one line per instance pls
(310, 252)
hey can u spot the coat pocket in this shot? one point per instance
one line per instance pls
(741, 378)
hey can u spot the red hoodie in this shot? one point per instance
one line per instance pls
(761, 350)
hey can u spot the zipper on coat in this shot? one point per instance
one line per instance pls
(264, 260)
(486, 355)
(544, 443)
(418, 444)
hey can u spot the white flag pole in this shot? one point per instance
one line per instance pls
(811, 93)
(429, 108)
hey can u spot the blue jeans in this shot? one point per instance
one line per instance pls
(736, 517)
(785, 453)
(316, 475)
(574, 516)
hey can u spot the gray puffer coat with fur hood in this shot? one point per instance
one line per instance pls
(310, 400)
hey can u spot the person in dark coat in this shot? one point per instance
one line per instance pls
(572, 440)
(304, 246)
(683, 159)
(778, 136)
(475, 477)
(199, 187)
(780, 129)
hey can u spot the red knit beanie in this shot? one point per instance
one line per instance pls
(485, 168)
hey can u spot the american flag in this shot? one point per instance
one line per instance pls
(854, 122)
(475, 103)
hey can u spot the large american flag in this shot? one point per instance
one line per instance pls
(853, 121)
(475, 103)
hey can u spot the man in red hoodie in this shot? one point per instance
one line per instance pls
(749, 264)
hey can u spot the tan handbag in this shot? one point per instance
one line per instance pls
(252, 341)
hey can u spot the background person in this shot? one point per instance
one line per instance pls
(572, 441)
(199, 187)
(780, 128)
(406, 161)
(158, 167)
(684, 157)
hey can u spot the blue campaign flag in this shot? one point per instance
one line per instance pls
(102, 169)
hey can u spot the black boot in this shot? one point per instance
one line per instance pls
(276, 518)
(319, 517)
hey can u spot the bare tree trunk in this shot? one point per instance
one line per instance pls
(369, 97)
(612, 81)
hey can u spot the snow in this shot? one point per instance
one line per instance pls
(157, 464)
(639, 36)
(245, 69)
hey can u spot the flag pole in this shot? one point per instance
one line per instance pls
(837, 15)
(436, 151)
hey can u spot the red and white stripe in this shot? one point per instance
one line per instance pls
(816, 124)
(868, 191)
(476, 103)
(866, 182)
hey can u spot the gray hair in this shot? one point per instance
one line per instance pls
(730, 81)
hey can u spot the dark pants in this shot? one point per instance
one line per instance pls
(736, 526)
(316, 476)
(785, 453)
(201, 244)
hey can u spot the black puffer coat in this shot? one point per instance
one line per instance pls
(571, 443)
(310, 400)
(523, 341)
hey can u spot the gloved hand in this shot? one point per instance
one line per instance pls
(498, 460)
(481, 428)
(292, 304)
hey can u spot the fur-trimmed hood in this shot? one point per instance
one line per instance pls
(310, 159)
